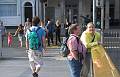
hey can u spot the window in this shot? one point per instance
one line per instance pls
(8, 9)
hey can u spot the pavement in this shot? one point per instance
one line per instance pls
(14, 63)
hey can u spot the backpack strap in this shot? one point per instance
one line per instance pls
(77, 38)
(38, 29)
(29, 30)
(93, 38)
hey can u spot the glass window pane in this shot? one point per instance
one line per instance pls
(8, 9)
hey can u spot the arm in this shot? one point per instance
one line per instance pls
(27, 42)
(73, 48)
(87, 40)
(74, 54)
(16, 32)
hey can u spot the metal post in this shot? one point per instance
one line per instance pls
(102, 19)
(94, 11)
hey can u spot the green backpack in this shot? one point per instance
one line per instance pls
(33, 38)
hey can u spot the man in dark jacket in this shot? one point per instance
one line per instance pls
(51, 29)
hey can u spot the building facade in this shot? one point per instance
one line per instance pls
(14, 12)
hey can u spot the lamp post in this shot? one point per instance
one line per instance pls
(94, 11)
(102, 19)
(100, 4)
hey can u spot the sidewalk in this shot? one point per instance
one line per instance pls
(15, 63)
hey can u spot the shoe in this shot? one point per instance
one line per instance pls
(35, 74)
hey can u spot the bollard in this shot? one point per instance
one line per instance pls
(0, 42)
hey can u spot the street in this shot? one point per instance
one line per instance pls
(14, 63)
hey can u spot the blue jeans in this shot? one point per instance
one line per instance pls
(75, 67)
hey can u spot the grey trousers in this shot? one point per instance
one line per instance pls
(87, 69)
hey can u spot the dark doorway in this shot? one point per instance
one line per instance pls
(28, 11)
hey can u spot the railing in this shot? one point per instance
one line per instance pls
(106, 61)
(112, 45)
(102, 64)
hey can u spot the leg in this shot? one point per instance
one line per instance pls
(56, 38)
(59, 37)
(86, 72)
(21, 39)
(75, 67)
(2, 40)
(31, 56)
(32, 66)
(38, 61)
(48, 39)
(52, 38)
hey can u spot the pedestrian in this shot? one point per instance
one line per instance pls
(89, 38)
(77, 50)
(27, 25)
(51, 29)
(20, 33)
(58, 31)
(10, 39)
(3, 31)
(67, 24)
(35, 52)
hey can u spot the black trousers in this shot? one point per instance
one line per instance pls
(58, 37)
(50, 37)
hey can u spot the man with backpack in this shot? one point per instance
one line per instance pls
(77, 51)
(35, 43)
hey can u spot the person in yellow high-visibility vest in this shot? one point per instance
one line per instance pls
(89, 38)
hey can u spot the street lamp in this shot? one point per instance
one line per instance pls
(100, 4)
(102, 19)
(94, 11)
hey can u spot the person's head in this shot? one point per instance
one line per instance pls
(74, 29)
(9, 33)
(28, 20)
(90, 27)
(35, 21)
(57, 22)
(20, 26)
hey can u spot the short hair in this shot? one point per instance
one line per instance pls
(90, 23)
(20, 26)
(72, 27)
(35, 21)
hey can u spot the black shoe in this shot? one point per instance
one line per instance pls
(35, 74)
